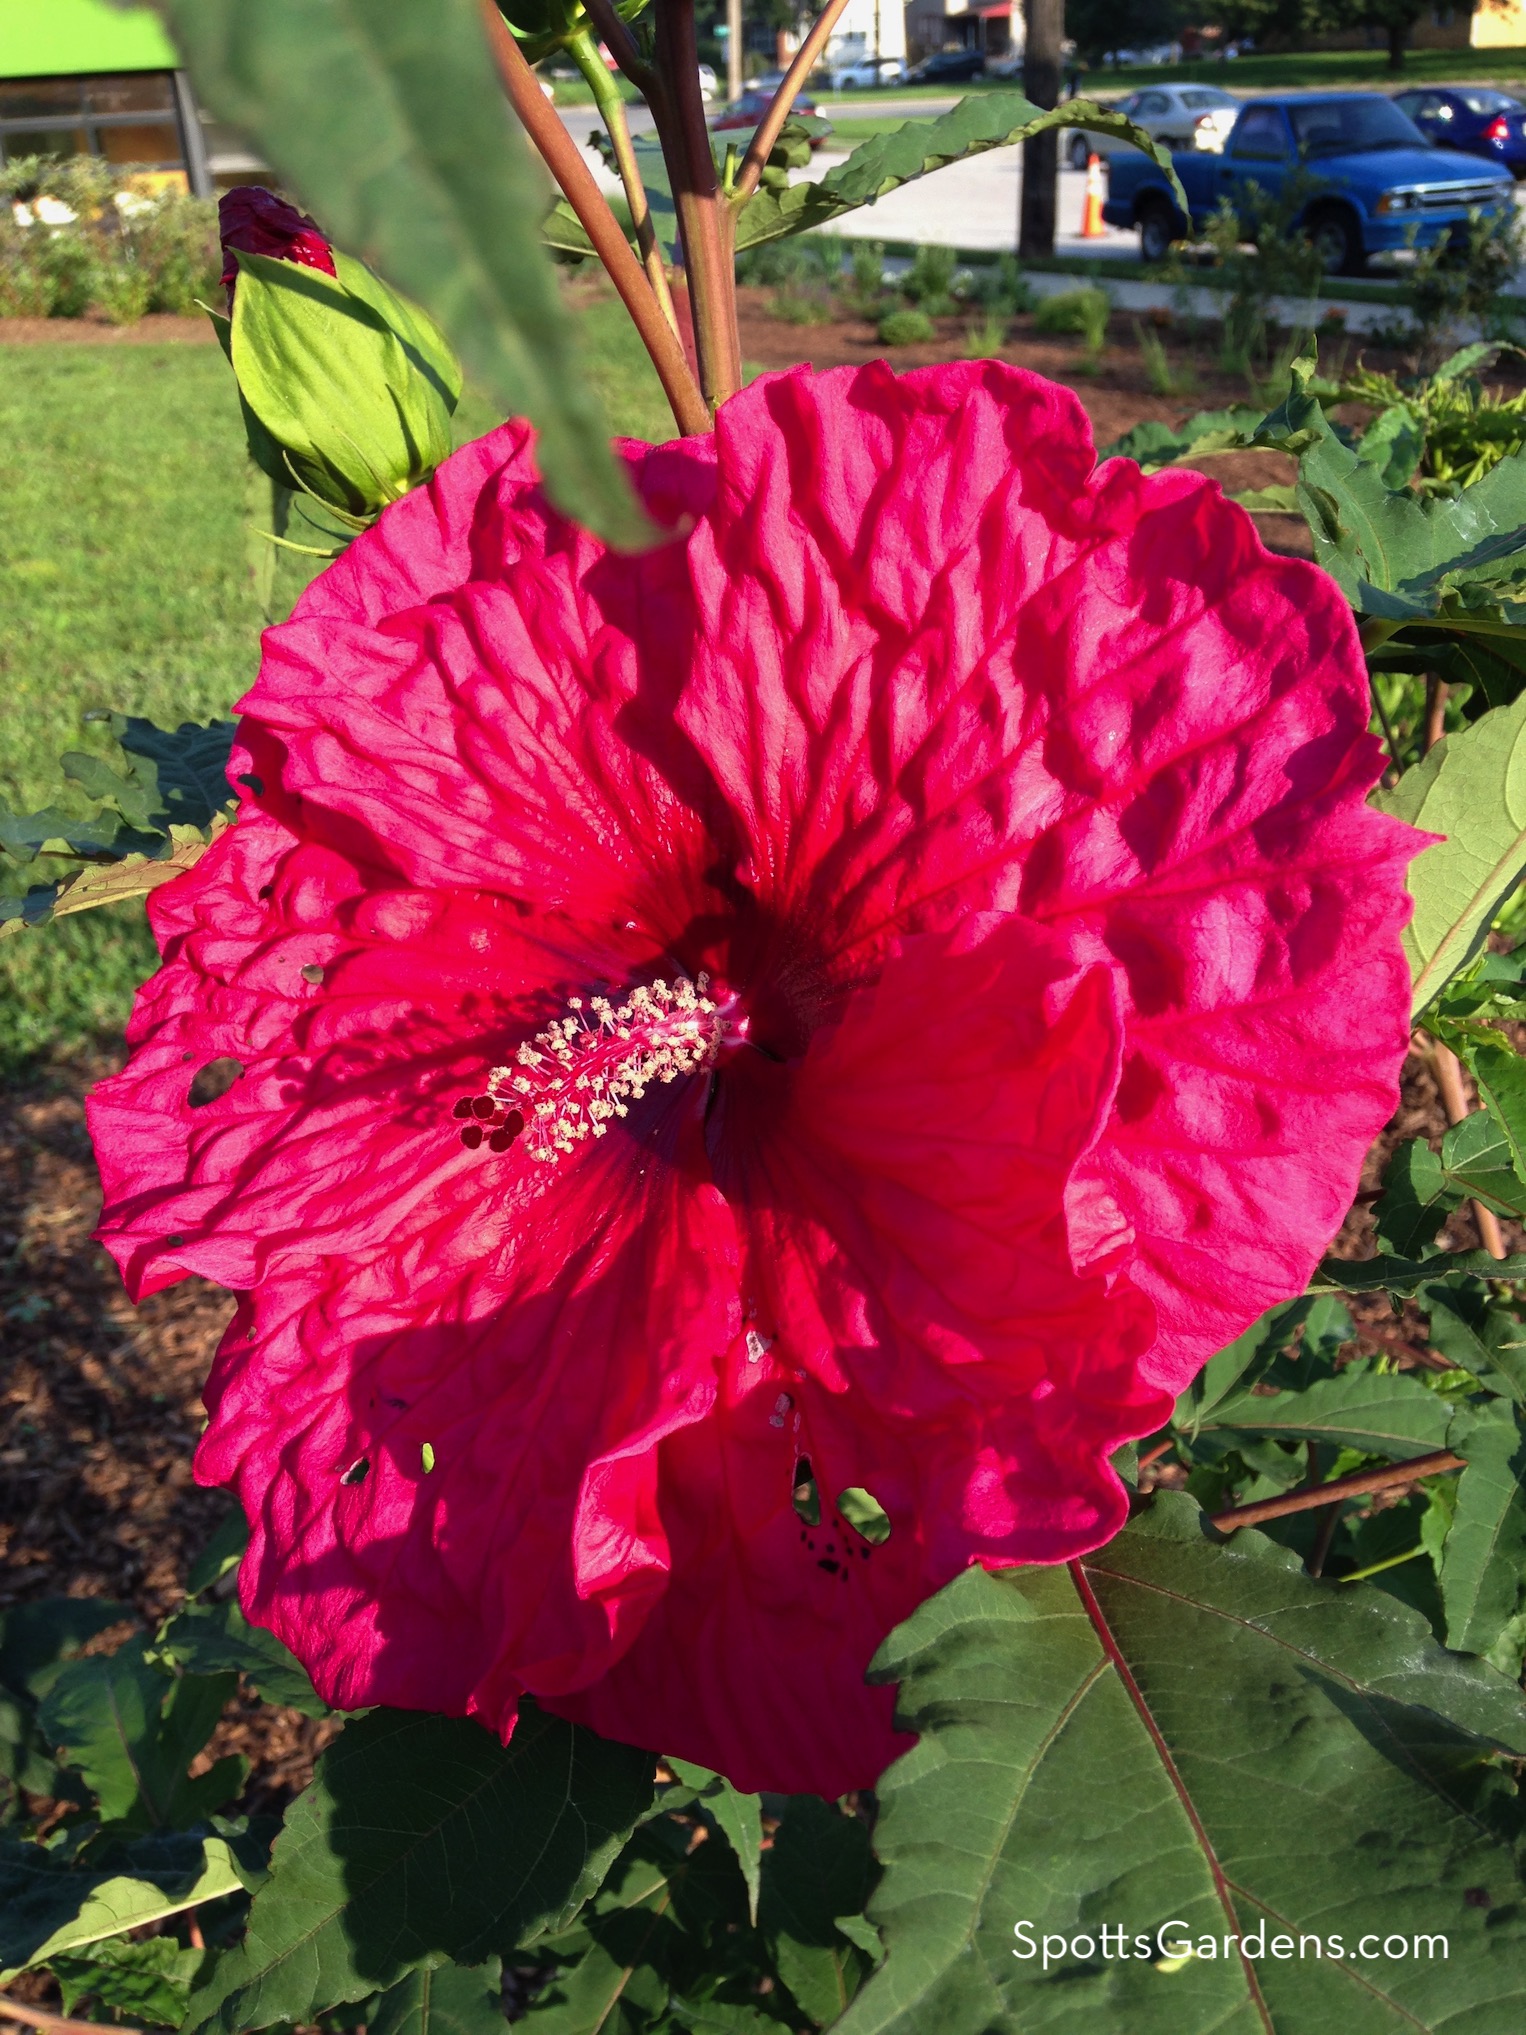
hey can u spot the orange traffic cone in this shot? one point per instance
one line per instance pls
(1092, 227)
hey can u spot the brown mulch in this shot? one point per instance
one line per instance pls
(100, 1410)
(157, 329)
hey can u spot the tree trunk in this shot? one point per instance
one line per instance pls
(1398, 36)
(1041, 156)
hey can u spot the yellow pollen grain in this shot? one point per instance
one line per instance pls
(584, 1070)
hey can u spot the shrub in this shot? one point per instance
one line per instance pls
(930, 279)
(1003, 288)
(867, 274)
(906, 328)
(1082, 312)
(92, 242)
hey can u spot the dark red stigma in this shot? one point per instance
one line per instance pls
(487, 1119)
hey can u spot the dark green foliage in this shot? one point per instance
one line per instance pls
(1174, 1729)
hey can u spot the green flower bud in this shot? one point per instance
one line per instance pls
(348, 389)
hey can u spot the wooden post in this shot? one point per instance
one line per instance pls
(1041, 156)
(733, 50)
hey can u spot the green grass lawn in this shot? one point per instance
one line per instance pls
(125, 582)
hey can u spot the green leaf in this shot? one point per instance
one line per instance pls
(1381, 1413)
(989, 120)
(1401, 1275)
(1155, 444)
(451, 2000)
(148, 1980)
(738, 1816)
(1393, 443)
(1474, 1332)
(1471, 787)
(1416, 1200)
(1182, 1736)
(207, 1639)
(49, 1906)
(1477, 1156)
(1483, 1562)
(818, 1868)
(423, 1839)
(222, 1554)
(1240, 1363)
(391, 123)
(190, 765)
(1500, 1073)
(132, 1730)
(36, 1641)
(1395, 554)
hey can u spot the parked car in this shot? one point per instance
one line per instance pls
(750, 108)
(865, 73)
(1474, 118)
(1182, 116)
(947, 67)
(1377, 184)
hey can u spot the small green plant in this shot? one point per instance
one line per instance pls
(985, 335)
(1082, 313)
(1003, 287)
(929, 281)
(866, 273)
(906, 328)
(1460, 279)
(1165, 377)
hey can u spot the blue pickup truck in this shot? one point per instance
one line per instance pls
(1374, 182)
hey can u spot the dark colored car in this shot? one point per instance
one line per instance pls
(1373, 184)
(1473, 118)
(750, 108)
(948, 67)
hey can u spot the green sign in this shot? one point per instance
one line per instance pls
(66, 37)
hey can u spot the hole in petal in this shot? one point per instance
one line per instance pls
(805, 1497)
(213, 1081)
(426, 1454)
(358, 1471)
(864, 1513)
(312, 972)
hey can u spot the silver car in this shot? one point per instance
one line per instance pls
(1182, 116)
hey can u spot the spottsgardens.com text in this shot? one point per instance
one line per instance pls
(1173, 1945)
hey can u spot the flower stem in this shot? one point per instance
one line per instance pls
(621, 44)
(544, 126)
(53, 2024)
(611, 106)
(1447, 1069)
(1309, 1497)
(704, 223)
(761, 147)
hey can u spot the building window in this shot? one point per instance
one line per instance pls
(132, 118)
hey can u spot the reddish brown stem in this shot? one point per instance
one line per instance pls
(544, 126)
(705, 225)
(761, 147)
(1309, 1498)
(1435, 712)
(54, 2024)
(1447, 1068)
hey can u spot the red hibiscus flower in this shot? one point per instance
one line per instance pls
(252, 220)
(847, 1011)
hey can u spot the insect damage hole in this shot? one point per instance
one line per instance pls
(805, 1497)
(211, 1082)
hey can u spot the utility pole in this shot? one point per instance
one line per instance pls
(733, 50)
(1045, 21)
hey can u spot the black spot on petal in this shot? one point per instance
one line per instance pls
(358, 1471)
